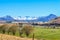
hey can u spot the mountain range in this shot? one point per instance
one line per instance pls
(47, 18)
(29, 19)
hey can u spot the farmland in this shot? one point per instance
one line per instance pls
(47, 34)
(41, 33)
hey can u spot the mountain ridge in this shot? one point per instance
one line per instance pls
(28, 18)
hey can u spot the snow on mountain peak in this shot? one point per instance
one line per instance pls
(25, 18)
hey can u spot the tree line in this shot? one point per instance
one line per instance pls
(13, 27)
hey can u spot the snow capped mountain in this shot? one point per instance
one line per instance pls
(20, 18)
(29, 18)
(47, 18)
(7, 18)
(25, 18)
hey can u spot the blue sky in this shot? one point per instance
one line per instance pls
(29, 7)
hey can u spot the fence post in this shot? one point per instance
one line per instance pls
(33, 37)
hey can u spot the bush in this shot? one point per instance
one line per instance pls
(13, 28)
(20, 28)
(3, 28)
(28, 29)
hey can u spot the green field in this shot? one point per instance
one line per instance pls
(43, 33)
(46, 34)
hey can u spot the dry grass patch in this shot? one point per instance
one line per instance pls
(10, 37)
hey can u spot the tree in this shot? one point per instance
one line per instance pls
(20, 29)
(13, 28)
(28, 29)
(3, 28)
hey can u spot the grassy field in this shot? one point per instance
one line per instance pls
(43, 34)
(46, 34)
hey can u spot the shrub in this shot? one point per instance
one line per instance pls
(2, 28)
(20, 29)
(28, 29)
(13, 28)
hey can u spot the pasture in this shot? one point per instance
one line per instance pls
(41, 33)
(46, 33)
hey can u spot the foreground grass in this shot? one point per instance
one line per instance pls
(10, 37)
(46, 34)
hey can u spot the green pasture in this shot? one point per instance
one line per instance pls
(46, 33)
(43, 33)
